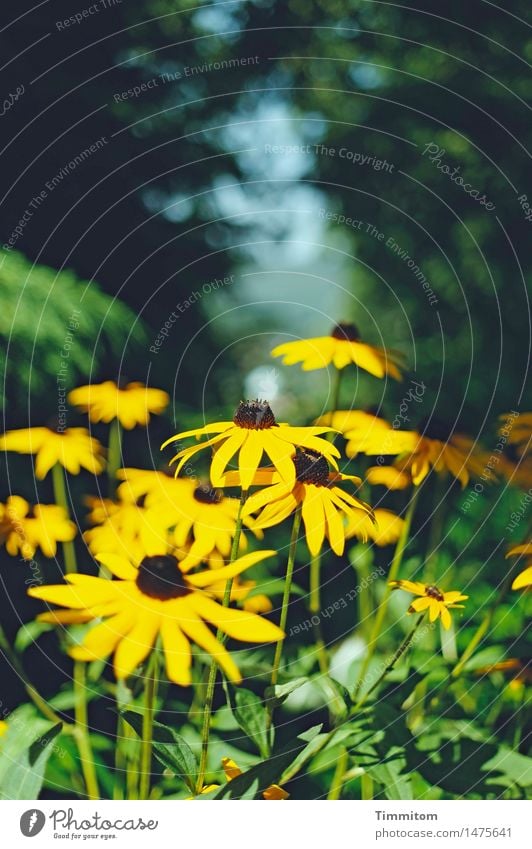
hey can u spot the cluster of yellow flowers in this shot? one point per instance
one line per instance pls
(172, 544)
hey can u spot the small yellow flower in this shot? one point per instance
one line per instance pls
(155, 599)
(391, 477)
(3, 727)
(343, 347)
(384, 530)
(125, 528)
(131, 405)
(74, 448)
(252, 433)
(24, 528)
(324, 504)
(524, 579)
(432, 599)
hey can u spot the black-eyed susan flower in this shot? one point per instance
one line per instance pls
(431, 446)
(73, 448)
(131, 404)
(343, 347)
(155, 487)
(125, 528)
(151, 600)
(384, 529)
(431, 598)
(252, 433)
(24, 528)
(325, 506)
(524, 579)
(232, 770)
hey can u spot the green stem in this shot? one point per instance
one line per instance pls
(436, 528)
(286, 594)
(150, 694)
(394, 571)
(407, 642)
(82, 732)
(338, 778)
(314, 610)
(60, 495)
(211, 682)
(366, 787)
(114, 456)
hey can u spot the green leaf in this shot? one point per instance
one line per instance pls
(337, 696)
(277, 695)
(24, 753)
(252, 717)
(169, 748)
(30, 633)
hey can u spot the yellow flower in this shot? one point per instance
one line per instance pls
(389, 476)
(524, 579)
(153, 600)
(3, 727)
(342, 347)
(385, 530)
(232, 770)
(252, 433)
(131, 405)
(24, 529)
(74, 448)
(195, 510)
(324, 504)
(125, 528)
(432, 445)
(432, 599)
(519, 433)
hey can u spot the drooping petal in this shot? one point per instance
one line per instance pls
(225, 452)
(137, 644)
(178, 656)
(204, 579)
(314, 521)
(103, 639)
(118, 565)
(197, 631)
(238, 624)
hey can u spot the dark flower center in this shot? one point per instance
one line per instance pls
(254, 415)
(311, 467)
(434, 592)
(207, 495)
(159, 577)
(345, 331)
(434, 428)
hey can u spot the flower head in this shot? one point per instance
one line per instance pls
(24, 528)
(325, 505)
(232, 770)
(252, 433)
(151, 600)
(432, 445)
(74, 448)
(519, 433)
(384, 528)
(125, 528)
(524, 579)
(131, 404)
(431, 598)
(342, 347)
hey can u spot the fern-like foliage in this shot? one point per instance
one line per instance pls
(56, 328)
